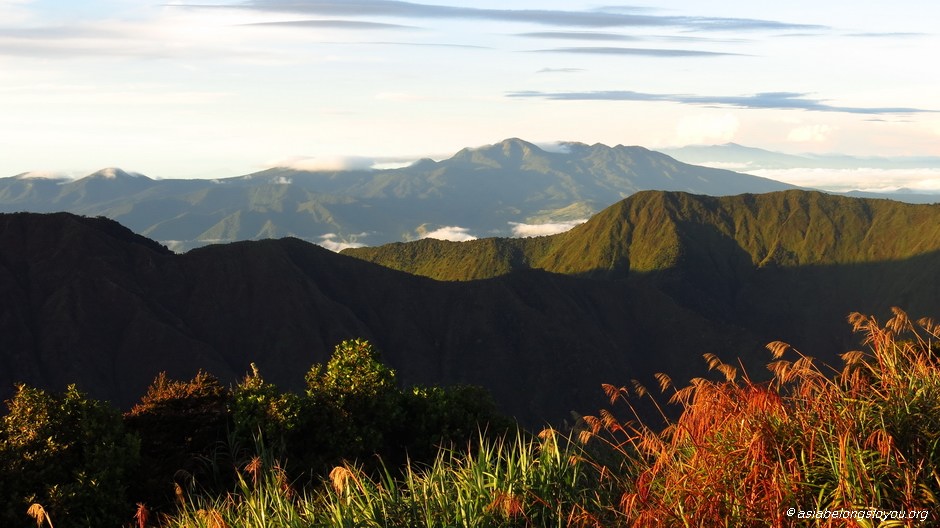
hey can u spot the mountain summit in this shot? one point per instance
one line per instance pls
(116, 174)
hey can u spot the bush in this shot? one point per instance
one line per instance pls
(181, 424)
(69, 453)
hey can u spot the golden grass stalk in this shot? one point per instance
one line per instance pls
(36, 511)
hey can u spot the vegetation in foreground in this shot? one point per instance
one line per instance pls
(741, 453)
(83, 463)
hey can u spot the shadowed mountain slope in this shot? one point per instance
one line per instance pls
(647, 285)
(86, 301)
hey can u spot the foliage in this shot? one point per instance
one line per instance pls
(65, 457)
(741, 452)
(179, 423)
(259, 407)
(363, 394)
(744, 452)
(439, 416)
(353, 409)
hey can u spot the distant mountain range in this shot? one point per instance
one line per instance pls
(743, 158)
(511, 188)
(765, 162)
(647, 285)
(494, 190)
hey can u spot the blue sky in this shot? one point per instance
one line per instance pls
(218, 88)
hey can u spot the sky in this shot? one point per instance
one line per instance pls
(216, 88)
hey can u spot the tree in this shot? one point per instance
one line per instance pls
(258, 408)
(354, 400)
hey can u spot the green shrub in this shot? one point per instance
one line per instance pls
(68, 453)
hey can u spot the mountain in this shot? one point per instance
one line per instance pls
(654, 231)
(484, 191)
(647, 285)
(835, 172)
(744, 158)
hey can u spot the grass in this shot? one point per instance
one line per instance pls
(740, 454)
(520, 482)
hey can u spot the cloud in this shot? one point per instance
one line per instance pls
(926, 180)
(641, 52)
(561, 70)
(282, 180)
(179, 35)
(810, 133)
(330, 241)
(577, 35)
(559, 147)
(534, 230)
(430, 45)
(547, 17)
(766, 100)
(701, 129)
(451, 233)
(325, 163)
(332, 24)
(15, 11)
(603, 36)
(891, 35)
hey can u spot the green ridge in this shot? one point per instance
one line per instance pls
(656, 230)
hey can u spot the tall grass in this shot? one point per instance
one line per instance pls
(522, 481)
(741, 454)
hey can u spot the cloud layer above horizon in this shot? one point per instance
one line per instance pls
(220, 88)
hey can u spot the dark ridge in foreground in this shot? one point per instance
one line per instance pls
(648, 285)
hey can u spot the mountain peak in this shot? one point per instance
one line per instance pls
(115, 173)
(512, 149)
(518, 144)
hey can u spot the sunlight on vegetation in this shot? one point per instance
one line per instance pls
(741, 452)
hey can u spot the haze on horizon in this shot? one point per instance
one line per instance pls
(222, 88)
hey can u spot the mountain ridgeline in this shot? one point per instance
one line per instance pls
(483, 190)
(653, 231)
(647, 285)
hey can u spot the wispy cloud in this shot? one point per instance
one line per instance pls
(641, 52)
(599, 36)
(578, 35)
(333, 24)
(766, 100)
(561, 70)
(547, 17)
(325, 163)
(891, 35)
(160, 37)
(430, 45)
